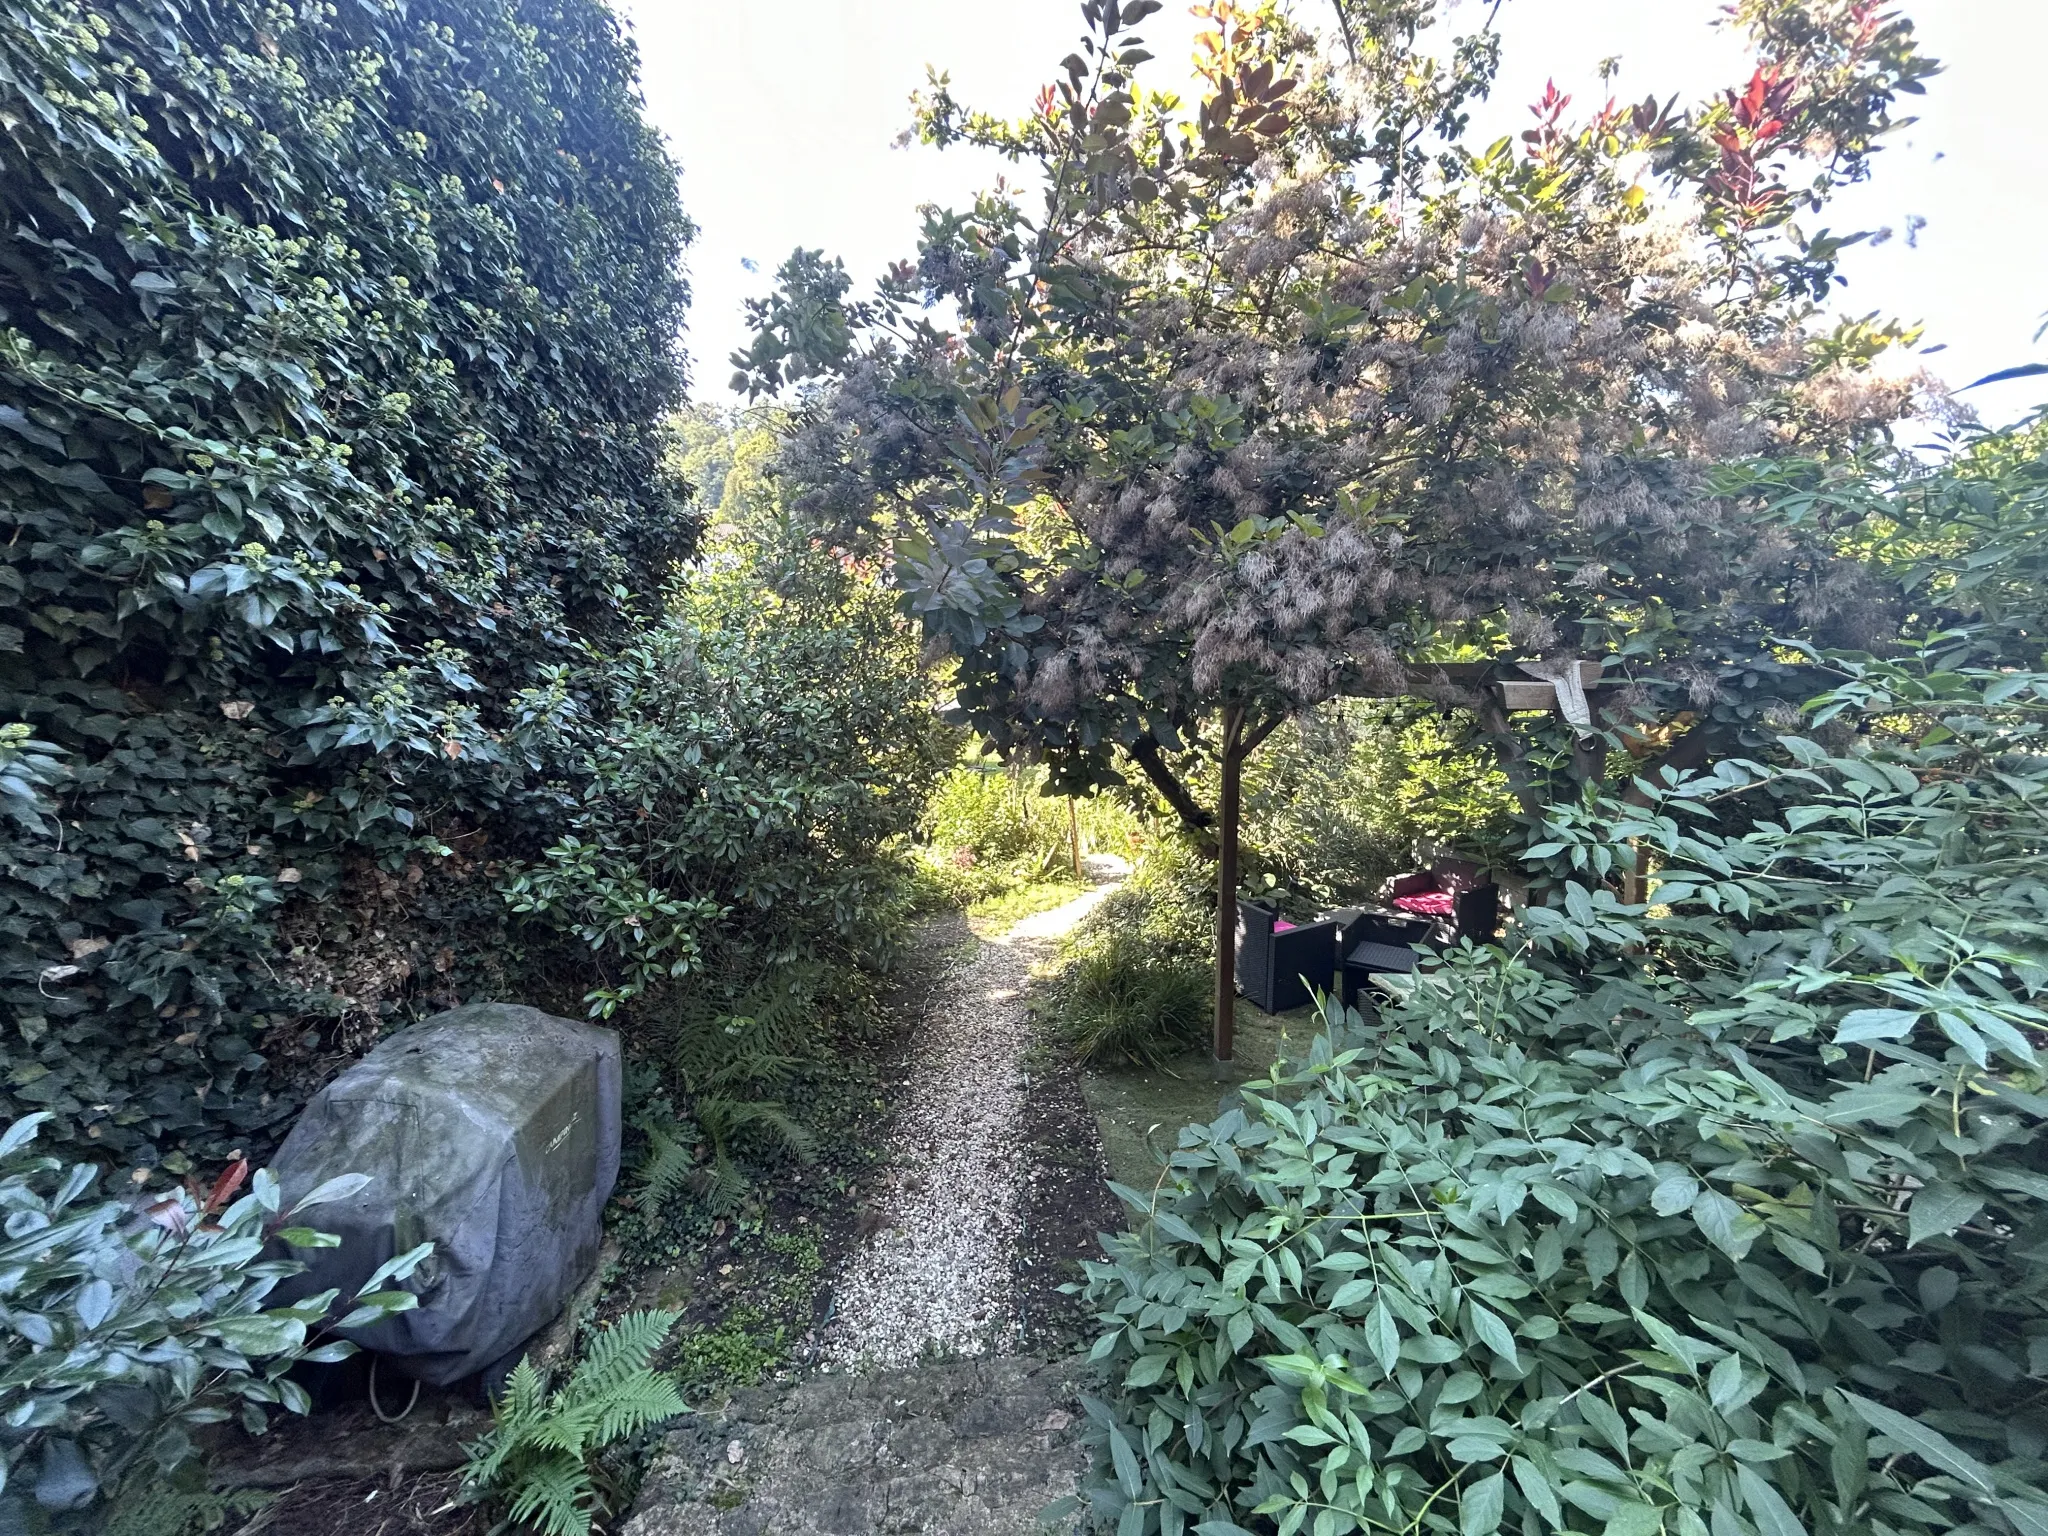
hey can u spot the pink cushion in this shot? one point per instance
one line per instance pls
(1283, 926)
(1426, 903)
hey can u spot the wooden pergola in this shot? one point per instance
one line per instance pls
(1500, 687)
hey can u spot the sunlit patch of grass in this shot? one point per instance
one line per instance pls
(998, 914)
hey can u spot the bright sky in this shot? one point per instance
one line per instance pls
(784, 117)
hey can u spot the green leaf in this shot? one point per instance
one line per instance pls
(1351, 1293)
(1537, 1489)
(1724, 1383)
(1128, 1477)
(1493, 1333)
(307, 1237)
(1147, 1370)
(1726, 1225)
(1674, 1193)
(1382, 1337)
(1480, 1507)
(1767, 1507)
(1937, 1209)
(399, 1267)
(1633, 1519)
(2029, 1516)
(341, 1187)
(1876, 1024)
(1929, 1445)
(21, 1132)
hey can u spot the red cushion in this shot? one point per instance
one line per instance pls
(1426, 903)
(1283, 926)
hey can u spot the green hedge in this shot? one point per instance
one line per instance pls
(335, 343)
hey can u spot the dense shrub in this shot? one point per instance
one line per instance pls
(334, 346)
(127, 1325)
(733, 786)
(1722, 1215)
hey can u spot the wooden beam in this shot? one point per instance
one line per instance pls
(1473, 674)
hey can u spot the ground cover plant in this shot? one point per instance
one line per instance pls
(1719, 1214)
(1130, 985)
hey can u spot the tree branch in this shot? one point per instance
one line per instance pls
(1254, 738)
(1146, 754)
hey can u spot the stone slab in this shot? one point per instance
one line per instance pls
(966, 1448)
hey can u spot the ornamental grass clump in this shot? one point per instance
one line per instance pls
(1123, 1002)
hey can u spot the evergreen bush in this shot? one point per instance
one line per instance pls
(129, 1323)
(335, 344)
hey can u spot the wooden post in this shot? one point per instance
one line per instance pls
(1073, 840)
(1226, 883)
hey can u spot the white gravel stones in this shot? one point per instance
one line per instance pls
(935, 1276)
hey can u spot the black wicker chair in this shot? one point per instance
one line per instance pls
(1278, 964)
(1378, 944)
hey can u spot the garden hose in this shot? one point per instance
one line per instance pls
(377, 1407)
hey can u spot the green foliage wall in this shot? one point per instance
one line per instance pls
(335, 340)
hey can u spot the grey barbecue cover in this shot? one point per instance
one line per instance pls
(491, 1131)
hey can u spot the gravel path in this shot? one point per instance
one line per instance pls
(935, 1276)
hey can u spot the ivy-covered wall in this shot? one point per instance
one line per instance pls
(335, 342)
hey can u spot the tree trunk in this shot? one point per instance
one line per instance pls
(1226, 883)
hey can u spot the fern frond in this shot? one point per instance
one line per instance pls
(618, 1353)
(524, 1395)
(752, 1067)
(719, 1184)
(665, 1169)
(645, 1398)
(724, 1118)
(570, 1427)
(555, 1497)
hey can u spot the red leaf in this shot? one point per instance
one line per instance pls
(225, 1186)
